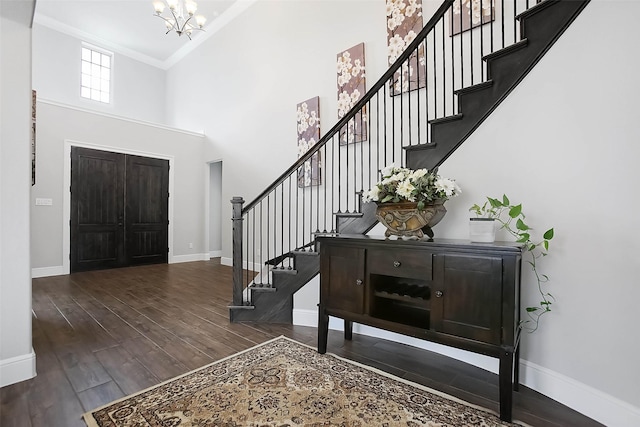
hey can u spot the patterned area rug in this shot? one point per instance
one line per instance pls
(285, 383)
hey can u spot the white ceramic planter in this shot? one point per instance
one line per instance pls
(482, 230)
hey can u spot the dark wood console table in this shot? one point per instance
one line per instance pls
(456, 293)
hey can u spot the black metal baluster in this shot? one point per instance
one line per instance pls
(481, 41)
(290, 222)
(418, 67)
(435, 78)
(323, 167)
(453, 68)
(461, 50)
(515, 13)
(377, 133)
(399, 96)
(384, 100)
(333, 183)
(339, 172)
(502, 24)
(444, 73)
(471, 40)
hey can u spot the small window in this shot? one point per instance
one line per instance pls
(95, 80)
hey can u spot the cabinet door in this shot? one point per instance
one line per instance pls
(468, 297)
(342, 278)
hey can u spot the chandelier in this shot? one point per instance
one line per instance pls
(182, 16)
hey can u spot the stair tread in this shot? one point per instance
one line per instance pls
(425, 146)
(446, 119)
(506, 50)
(241, 307)
(474, 88)
(284, 271)
(349, 214)
(535, 9)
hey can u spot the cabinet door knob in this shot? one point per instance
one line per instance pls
(438, 294)
(396, 263)
(358, 282)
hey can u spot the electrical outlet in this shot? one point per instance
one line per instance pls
(190, 245)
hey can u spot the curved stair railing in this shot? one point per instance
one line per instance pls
(423, 107)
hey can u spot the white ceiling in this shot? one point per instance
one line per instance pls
(130, 27)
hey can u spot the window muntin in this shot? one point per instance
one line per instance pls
(95, 82)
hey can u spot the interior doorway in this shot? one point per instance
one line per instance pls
(215, 209)
(119, 210)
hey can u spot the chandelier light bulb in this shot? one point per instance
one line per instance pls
(200, 20)
(159, 7)
(181, 17)
(191, 7)
(173, 4)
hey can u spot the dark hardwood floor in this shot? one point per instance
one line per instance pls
(102, 335)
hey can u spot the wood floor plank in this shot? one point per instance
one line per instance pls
(100, 395)
(103, 334)
(125, 370)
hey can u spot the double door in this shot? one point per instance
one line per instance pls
(119, 210)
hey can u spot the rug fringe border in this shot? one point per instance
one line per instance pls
(91, 422)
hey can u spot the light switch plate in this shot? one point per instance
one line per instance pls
(44, 202)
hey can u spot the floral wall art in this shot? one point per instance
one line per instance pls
(404, 22)
(351, 87)
(469, 14)
(308, 121)
(33, 137)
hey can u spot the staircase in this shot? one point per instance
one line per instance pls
(419, 128)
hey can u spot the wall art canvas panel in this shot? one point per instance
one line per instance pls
(404, 22)
(467, 14)
(33, 137)
(351, 88)
(308, 121)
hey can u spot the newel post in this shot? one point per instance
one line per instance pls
(237, 203)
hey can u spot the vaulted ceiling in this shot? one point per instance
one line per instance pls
(130, 26)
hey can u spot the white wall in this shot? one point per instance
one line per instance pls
(17, 360)
(60, 126)
(242, 85)
(562, 144)
(137, 89)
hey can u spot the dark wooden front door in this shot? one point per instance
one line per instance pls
(119, 210)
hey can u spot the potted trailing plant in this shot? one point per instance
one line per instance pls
(410, 202)
(511, 218)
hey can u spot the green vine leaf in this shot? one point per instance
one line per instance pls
(505, 200)
(515, 211)
(548, 235)
(520, 225)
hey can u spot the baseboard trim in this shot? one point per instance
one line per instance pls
(587, 400)
(176, 259)
(47, 271)
(215, 254)
(16, 369)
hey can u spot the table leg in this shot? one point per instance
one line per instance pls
(506, 384)
(348, 329)
(323, 330)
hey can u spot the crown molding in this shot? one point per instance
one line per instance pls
(216, 25)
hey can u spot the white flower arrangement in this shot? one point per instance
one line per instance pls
(405, 185)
